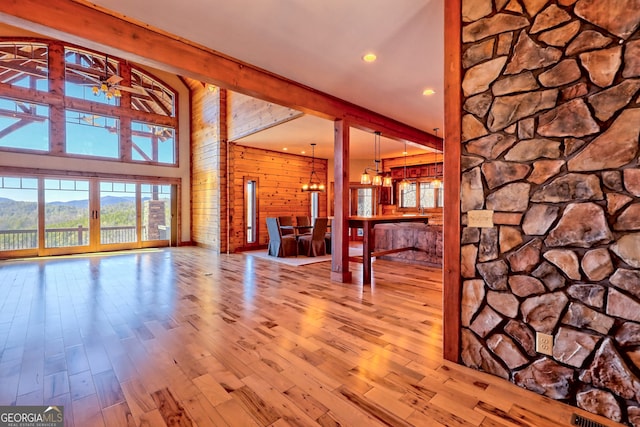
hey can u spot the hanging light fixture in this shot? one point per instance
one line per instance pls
(404, 184)
(435, 183)
(377, 180)
(314, 185)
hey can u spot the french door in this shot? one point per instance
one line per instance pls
(61, 215)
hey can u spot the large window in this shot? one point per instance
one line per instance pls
(100, 93)
(18, 213)
(24, 125)
(421, 194)
(92, 135)
(86, 73)
(44, 215)
(151, 96)
(251, 210)
(152, 143)
(315, 205)
(156, 212)
(365, 205)
(25, 65)
(408, 196)
(66, 212)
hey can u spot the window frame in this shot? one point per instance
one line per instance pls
(159, 107)
(438, 196)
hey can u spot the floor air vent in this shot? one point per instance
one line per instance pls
(577, 420)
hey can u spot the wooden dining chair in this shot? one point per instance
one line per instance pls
(304, 224)
(286, 225)
(280, 245)
(313, 244)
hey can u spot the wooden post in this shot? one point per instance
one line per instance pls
(340, 239)
(452, 283)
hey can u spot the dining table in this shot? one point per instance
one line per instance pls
(368, 223)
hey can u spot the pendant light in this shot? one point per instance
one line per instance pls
(314, 185)
(435, 183)
(404, 184)
(377, 180)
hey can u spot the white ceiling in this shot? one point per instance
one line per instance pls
(320, 43)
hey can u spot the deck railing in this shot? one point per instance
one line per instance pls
(73, 236)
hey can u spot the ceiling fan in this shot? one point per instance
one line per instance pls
(109, 85)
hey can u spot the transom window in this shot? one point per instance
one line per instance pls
(86, 73)
(24, 65)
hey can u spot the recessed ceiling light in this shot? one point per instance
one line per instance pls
(428, 92)
(369, 57)
(284, 149)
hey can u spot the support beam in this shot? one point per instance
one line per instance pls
(339, 229)
(88, 25)
(451, 283)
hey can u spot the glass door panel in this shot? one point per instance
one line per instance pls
(58, 215)
(66, 213)
(156, 212)
(118, 213)
(18, 213)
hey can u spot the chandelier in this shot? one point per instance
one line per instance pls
(314, 185)
(378, 179)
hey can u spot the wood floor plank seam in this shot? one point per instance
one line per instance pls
(188, 337)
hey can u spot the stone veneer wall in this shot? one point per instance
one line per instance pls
(550, 143)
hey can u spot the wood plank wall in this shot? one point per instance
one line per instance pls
(249, 115)
(208, 166)
(280, 176)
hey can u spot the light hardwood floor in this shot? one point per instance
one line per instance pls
(186, 337)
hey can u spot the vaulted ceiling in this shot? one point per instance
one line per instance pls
(320, 44)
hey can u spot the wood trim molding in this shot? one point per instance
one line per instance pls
(138, 42)
(452, 285)
(20, 171)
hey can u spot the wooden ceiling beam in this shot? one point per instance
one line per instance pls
(84, 24)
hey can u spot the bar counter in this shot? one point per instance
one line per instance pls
(367, 223)
(424, 241)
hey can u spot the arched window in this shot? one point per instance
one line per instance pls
(73, 102)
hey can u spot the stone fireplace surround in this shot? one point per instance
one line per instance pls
(550, 134)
